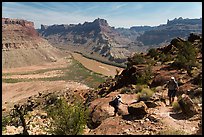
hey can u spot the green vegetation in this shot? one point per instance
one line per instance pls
(165, 57)
(146, 76)
(186, 57)
(68, 119)
(125, 90)
(176, 106)
(33, 72)
(152, 53)
(5, 121)
(138, 59)
(146, 93)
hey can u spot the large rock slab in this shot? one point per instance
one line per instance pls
(138, 109)
(187, 105)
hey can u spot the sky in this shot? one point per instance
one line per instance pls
(117, 14)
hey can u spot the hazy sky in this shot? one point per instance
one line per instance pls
(118, 14)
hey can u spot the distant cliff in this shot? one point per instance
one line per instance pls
(96, 36)
(175, 28)
(117, 43)
(22, 45)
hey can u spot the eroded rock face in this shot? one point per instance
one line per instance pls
(22, 45)
(18, 33)
(17, 22)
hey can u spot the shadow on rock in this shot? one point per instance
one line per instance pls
(180, 116)
(130, 117)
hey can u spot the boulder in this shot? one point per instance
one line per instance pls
(187, 105)
(138, 109)
(101, 110)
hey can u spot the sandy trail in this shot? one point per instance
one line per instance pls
(187, 126)
(96, 66)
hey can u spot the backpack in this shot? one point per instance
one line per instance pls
(114, 102)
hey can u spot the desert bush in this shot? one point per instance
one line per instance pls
(186, 57)
(67, 119)
(176, 106)
(138, 59)
(145, 77)
(165, 57)
(152, 53)
(5, 121)
(146, 93)
(125, 90)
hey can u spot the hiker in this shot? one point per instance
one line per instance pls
(172, 86)
(115, 103)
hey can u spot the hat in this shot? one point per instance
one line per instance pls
(172, 78)
(119, 96)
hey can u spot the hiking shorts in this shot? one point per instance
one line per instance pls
(171, 93)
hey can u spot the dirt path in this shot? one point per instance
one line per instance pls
(169, 119)
(96, 66)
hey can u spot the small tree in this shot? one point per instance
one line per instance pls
(152, 53)
(20, 111)
(144, 77)
(67, 119)
(186, 57)
(138, 59)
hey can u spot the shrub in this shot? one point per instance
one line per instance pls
(67, 119)
(125, 90)
(152, 53)
(145, 77)
(165, 57)
(146, 93)
(5, 121)
(186, 57)
(138, 59)
(176, 106)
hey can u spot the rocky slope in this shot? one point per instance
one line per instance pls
(147, 111)
(22, 45)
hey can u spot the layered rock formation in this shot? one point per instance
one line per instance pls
(96, 36)
(117, 43)
(174, 28)
(22, 45)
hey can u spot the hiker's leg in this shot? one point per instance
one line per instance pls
(169, 100)
(172, 99)
(115, 111)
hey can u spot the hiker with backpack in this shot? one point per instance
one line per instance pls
(115, 103)
(172, 86)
